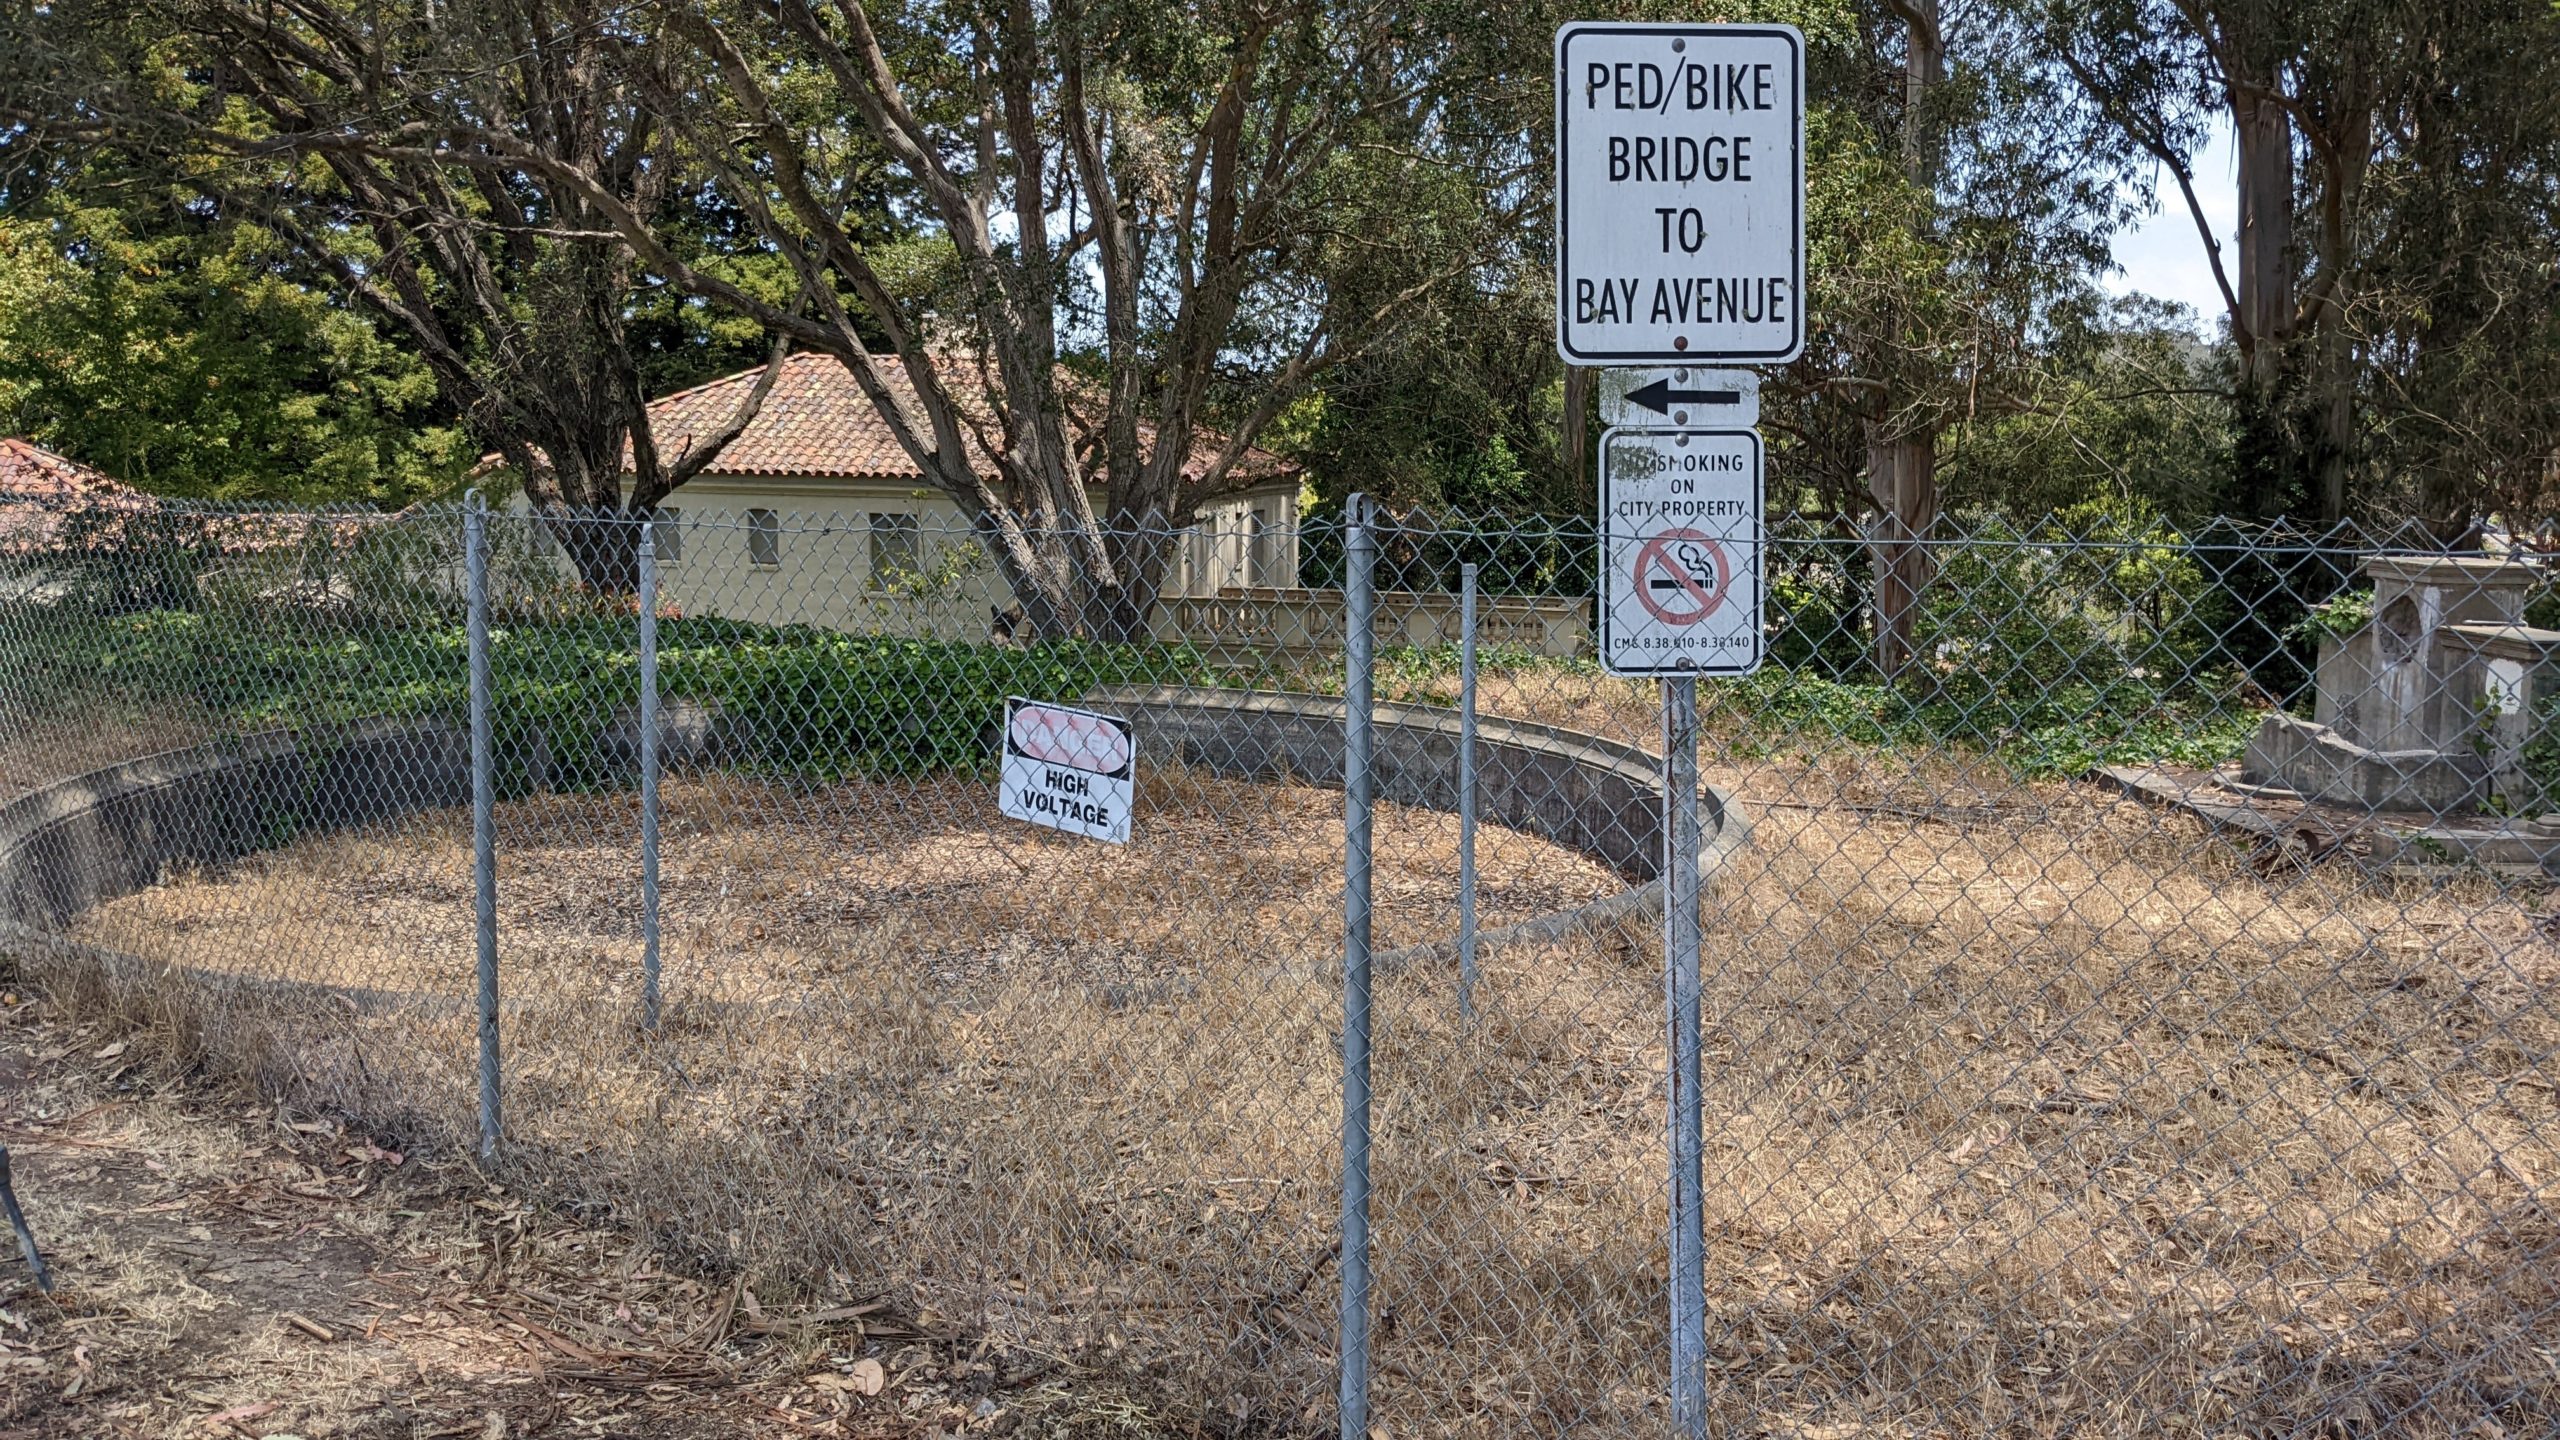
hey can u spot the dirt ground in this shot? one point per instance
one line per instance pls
(2028, 1109)
(228, 1269)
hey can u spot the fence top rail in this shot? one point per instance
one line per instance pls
(1786, 526)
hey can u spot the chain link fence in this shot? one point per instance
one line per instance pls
(2126, 995)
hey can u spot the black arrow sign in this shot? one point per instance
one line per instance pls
(1659, 397)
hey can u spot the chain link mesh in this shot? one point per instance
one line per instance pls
(2127, 994)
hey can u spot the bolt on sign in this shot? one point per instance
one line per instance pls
(1071, 770)
(1679, 193)
(1680, 546)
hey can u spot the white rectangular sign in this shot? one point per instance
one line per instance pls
(1071, 770)
(1680, 547)
(1683, 397)
(1679, 193)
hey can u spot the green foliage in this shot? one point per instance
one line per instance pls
(2034, 729)
(944, 567)
(797, 699)
(2064, 731)
(1463, 411)
(2101, 598)
(1816, 604)
(2054, 650)
(177, 355)
(2540, 760)
(2131, 407)
(2337, 617)
(833, 704)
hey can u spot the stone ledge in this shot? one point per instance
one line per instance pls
(84, 839)
(2524, 644)
(2323, 765)
(1597, 796)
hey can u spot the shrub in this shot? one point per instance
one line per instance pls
(796, 698)
(819, 703)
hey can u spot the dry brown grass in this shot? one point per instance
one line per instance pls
(2027, 1109)
(228, 1267)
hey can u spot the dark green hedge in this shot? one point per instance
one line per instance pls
(793, 698)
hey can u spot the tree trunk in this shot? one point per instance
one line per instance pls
(1140, 551)
(2265, 281)
(1902, 458)
(603, 546)
(2271, 480)
(1577, 430)
(2336, 444)
(1902, 476)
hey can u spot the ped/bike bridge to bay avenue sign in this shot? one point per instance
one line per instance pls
(1679, 243)
(1679, 193)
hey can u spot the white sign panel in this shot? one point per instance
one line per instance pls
(1684, 397)
(1070, 770)
(1679, 193)
(1680, 545)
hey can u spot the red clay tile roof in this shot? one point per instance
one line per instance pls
(818, 422)
(38, 488)
(30, 471)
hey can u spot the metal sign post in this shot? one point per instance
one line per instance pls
(1359, 796)
(1680, 945)
(1680, 243)
(1467, 793)
(484, 824)
(1681, 597)
(650, 994)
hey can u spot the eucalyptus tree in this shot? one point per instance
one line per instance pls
(2452, 302)
(2360, 127)
(1963, 223)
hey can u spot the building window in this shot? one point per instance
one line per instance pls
(896, 550)
(666, 534)
(764, 538)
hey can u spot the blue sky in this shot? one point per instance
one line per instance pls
(2162, 255)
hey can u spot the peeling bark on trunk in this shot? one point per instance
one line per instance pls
(1902, 477)
(1577, 429)
(1902, 457)
(2265, 282)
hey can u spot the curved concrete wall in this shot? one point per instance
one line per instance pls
(69, 845)
(73, 843)
(1593, 795)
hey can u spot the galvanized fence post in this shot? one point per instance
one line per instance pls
(1360, 555)
(649, 774)
(1680, 964)
(484, 826)
(1467, 793)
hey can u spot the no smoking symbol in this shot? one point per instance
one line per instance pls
(1682, 577)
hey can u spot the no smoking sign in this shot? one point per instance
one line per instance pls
(1682, 577)
(1680, 589)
